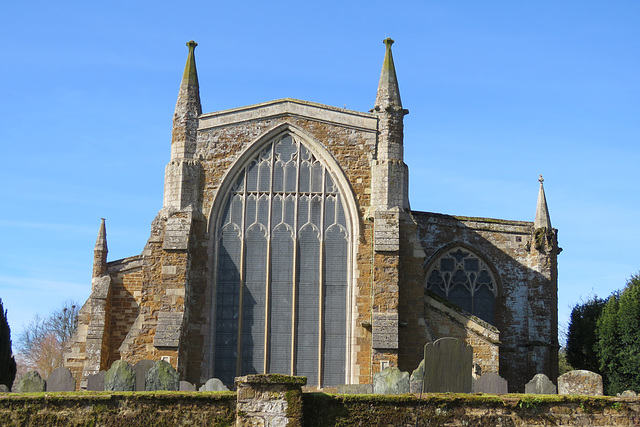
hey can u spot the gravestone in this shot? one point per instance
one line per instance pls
(187, 386)
(448, 363)
(162, 376)
(580, 382)
(61, 379)
(628, 393)
(213, 384)
(355, 389)
(415, 381)
(391, 381)
(141, 368)
(4, 388)
(491, 383)
(95, 382)
(31, 382)
(120, 377)
(540, 384)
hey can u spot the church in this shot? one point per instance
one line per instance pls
(286, 244)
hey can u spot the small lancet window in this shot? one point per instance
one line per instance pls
(465, 280)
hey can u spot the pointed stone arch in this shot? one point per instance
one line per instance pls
(464, 277)
(283, 229)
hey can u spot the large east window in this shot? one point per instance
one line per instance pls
(282, 269)
(463, 278)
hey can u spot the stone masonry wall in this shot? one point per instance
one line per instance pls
(506, 246)
(353, 149)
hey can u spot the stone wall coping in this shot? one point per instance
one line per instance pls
(129, 263)
(272, 379)
(471, 322)
(476, 223)
(290, 106)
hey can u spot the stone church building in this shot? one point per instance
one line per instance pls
(286, 244)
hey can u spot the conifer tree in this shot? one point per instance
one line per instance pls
(7, 361)
(618, 334)
(581, 336)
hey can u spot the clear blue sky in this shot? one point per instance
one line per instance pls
(498, 92)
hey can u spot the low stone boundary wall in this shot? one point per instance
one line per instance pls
(276, 400)
(168, 408)
(453, 410)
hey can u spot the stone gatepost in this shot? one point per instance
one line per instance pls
(269, 400)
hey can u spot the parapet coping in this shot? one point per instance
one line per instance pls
(129, 263)
(291, 107)
(480, 223)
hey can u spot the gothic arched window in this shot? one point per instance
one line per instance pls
(464, 279)
(282, 269)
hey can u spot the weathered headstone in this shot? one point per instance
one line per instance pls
(141, 368)
(627, 393)
(162, 376)
(540, 384)
(95, 382)
(120, 377)
(448, 363)
(491, 383)
(391, 381)
(187, 386)
(415, 381)
(213, 384)
(580, 382)
(31, 382)
(355, 389)
(61, 379)
(4, 388)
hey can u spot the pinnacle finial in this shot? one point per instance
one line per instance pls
(388, 91)
(542, 211)
(101, 241)
(190, 76)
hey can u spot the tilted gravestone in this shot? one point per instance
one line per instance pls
(213, 384)
(415, 381)
(120, 377)
(162, 376)
(31, 382)
(61, 379)
(491, 383)
(540, 384)
(187, 386)
(391, 381)
(355, 389)
(580, 382)
(95, 382)
(448, 363)
(141, 368)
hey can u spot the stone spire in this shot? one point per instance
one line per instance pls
(388, 91)
(542, 211)
(100, 252)
(182, 174)
(188, 108)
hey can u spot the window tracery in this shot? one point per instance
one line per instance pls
(282, 263)
(463, 278)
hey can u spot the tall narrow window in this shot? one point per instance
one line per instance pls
(464, 279)
(281, 269)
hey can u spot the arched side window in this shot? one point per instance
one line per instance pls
(281, 280)
(463, 278)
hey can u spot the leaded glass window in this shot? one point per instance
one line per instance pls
(465, 280)
(281, 269)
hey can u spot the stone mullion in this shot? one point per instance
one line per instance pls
(242, 273)
(267, 304)
(321, 284)
(294, 294)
